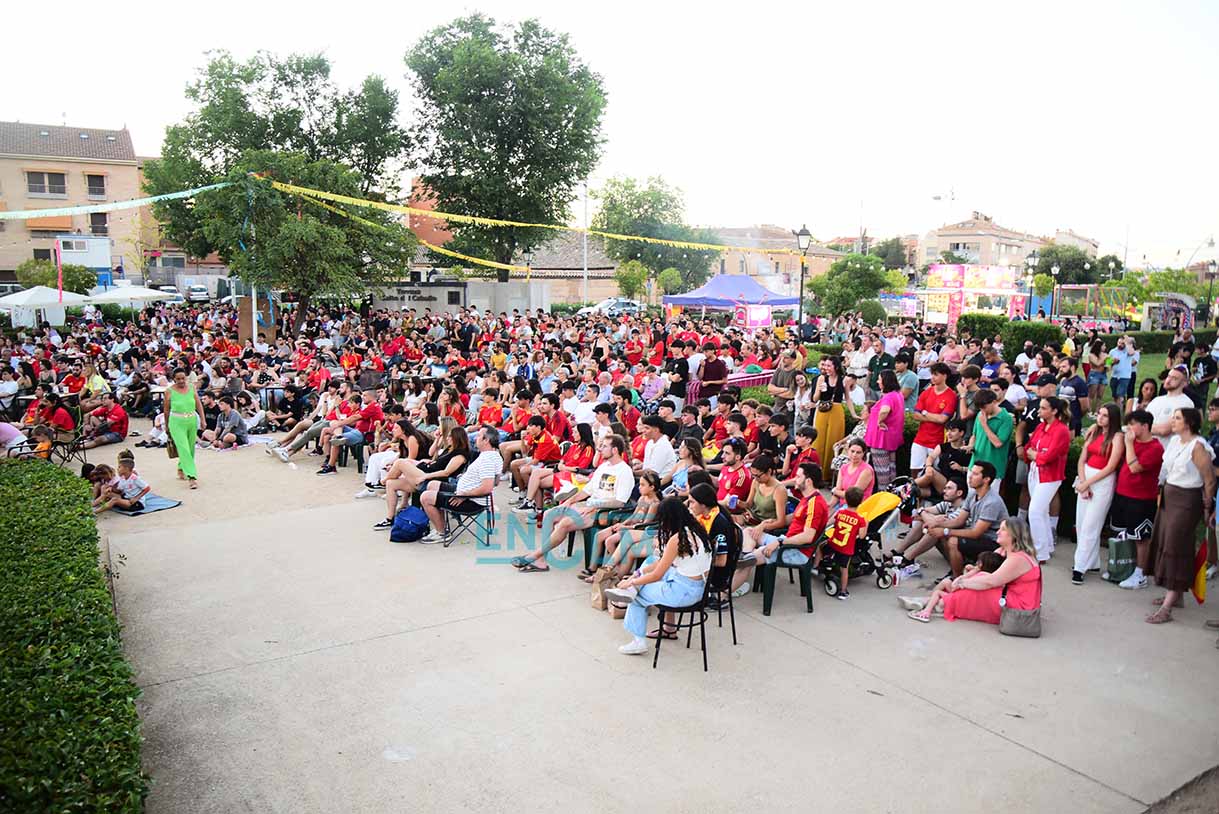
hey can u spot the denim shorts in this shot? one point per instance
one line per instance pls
(1097, 377)
(352, 437)
(791, 556)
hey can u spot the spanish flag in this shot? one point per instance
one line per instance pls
(1199, 589)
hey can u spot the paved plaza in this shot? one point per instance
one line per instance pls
(292, 659)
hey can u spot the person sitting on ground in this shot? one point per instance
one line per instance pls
(676, 579)
(977, 595)
(840, 542)
(128, 493)
(107, 424)
(924, 530)
(102, 479)
(471, 491)
(631, 539)
(230, 429)
(288, 411)
(610, 487)
(973, 530)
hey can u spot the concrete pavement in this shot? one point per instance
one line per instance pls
(294, 660)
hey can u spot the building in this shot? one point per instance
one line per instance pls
(49, 167)
(778, 272)
(1066, 237)
(979, 240)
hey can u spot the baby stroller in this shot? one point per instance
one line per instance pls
(881, 510)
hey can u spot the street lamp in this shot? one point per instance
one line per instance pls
(804, 239)
(1056, 294)
(1210, 288)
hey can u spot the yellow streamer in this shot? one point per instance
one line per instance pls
(480, 221)
(439, 249)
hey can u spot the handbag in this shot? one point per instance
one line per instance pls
(602, 579)
(825, 406)
(1023, 623)
(171, 447)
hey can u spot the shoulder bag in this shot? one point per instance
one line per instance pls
(1023, 623)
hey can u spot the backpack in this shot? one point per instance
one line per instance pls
(410, 525)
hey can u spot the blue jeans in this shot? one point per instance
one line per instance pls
(791, 556)
(672, 589)
(349, 437)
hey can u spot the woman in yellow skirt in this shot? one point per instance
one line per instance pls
(829, 418)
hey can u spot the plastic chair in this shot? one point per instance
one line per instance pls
(764, 577)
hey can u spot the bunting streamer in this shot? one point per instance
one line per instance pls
(114, 206)
(480, 221)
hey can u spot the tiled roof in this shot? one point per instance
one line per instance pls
(19, 138)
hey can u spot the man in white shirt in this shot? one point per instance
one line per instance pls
(1162, 407)
(1025, 359)
(658, 455)
(610, 487)
(472, 489)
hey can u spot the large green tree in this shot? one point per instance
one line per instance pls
(850, 280)
(43, 272)
(268, 103)
(653, 208)
(508, 124)
(892, 252)
(1071, 262)
(276, 241)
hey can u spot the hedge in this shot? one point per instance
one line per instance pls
(981, 325)
(67, 699)
(1015, 334)
(1157, 341)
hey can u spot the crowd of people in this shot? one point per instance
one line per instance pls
(634, 427)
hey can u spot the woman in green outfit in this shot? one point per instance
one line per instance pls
(184, 416)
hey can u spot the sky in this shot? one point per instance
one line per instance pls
(1097, 117)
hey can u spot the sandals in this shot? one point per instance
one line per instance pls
(519, 562)
(194, 484)
(531, 568)
(1159, 617)
(1180, 603)
(666, 634)
(917, 615)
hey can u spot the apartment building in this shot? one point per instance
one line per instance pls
(778, 272)
(49, 167)
(980, 240)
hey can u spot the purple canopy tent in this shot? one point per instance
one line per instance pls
(727, 291)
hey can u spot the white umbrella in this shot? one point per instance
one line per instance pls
(40, 296)
(129, 294)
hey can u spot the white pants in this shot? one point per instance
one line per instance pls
(1090, 517)
(1040, 497)
(377, 464)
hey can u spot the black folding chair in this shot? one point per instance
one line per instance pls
(478, 519)
(718, 582)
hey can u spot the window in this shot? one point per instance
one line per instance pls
(74, 245)
(42, 254)
(742, 265)
(454, 298)
(167, 262)
(97, 185)
(776, 267)
(97, 223)
(723, 263)
(46, 183)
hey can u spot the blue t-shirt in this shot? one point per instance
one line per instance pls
(1122, 367)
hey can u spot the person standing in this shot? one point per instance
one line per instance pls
(1138, 487)
(1188, 481)
(185, 415)
(1094, 483)
(1121, 374)
(992, 438)
(830, 418)
(886, 421)
(1047, 456)
(1174, 398)
(935, 406)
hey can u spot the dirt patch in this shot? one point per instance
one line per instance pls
(1198, 796)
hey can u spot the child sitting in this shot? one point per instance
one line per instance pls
(128, 492)
(42, 437)
(988, 561)
(848, 525)
(104, 480)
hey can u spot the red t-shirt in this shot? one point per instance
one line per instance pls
(318, 378)
(558, 426)
(634, 351)
(412, 354)
(720, 428)
(491, 415)
(370, 415)
(578, 457)
(639, 445)
(301, 359)
(848, 525)
(349, 361)
(732, 482)
(73, 384)
(1098, 456)
(61, 419)
(807, 456)
(751, 433)
(929, 433)
(630, 418)
(658, 354)
(803, 519)
(544, 448)
(1143, 485)
(520, 417)
(116, 418)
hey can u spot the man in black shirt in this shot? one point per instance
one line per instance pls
(671, 426)
(1204, 370)
(677, 370)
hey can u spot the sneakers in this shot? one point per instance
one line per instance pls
(843, 595)
(387, 523)
(367, 491)
(433, 537)
(745, 588)
(1211, 570)
(327, 469)
(635, 647)
(315, 452)
(282, 454)
(1077, 578)
(912, 603)
(747, 558)
(270, 449)
(622, 594)
(525, 506)
(1133, 582)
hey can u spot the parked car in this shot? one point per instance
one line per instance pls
(197, 293)
(10, 288)
(613, 307)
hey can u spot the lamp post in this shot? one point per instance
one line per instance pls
(1210, 288)
(1055, 305)
(804, 239)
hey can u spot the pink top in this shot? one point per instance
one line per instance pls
(848, 477)
(891, 437)
(1023, 593)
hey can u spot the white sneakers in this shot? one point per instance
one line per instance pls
(1133, 582)
(365, 492)
(623, 594)
(912, 603)
(282, 454)
(635, 647)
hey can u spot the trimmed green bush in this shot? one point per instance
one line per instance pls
(1158, 341)
(1016, 333)
(873, 312)
(981, 325)
(67, 699)
(824, 350)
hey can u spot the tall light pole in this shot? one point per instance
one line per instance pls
(1055, 305)
(1211, 267)
(804, 239)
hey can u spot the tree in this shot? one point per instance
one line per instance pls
(508, 123)
(850, 280)
(953, 258)
(272, 104)
(895, 281)
(631, 277)
(1043, 285)
(1103, 270)
(77, 279)
(669, 280)
(1070, 261)
(653, 208)
(872, 312)
(892, 252)
(273, 241)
